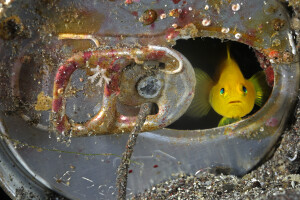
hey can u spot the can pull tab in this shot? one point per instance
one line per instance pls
(171, 88)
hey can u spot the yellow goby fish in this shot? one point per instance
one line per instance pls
(230, 95)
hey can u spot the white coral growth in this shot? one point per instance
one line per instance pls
(101, 74)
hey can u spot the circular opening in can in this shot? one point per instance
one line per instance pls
(207, 54)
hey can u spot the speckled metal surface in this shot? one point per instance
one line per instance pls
(37, 38)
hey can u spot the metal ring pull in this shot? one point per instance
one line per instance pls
(178, 81)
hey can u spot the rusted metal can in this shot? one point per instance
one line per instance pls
(71, 68)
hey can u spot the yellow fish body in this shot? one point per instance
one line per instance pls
(230, 95)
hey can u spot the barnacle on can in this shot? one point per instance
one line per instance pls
(11, 27)
(148, 17)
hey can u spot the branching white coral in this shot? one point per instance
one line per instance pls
(101, 74)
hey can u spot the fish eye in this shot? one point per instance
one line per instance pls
(222, 91)
(245, 90)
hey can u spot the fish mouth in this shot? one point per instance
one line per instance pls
(231, 102)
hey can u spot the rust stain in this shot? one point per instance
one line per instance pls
(74, 20)
(277, 24)
(44, 102)
(176, 1)
(175, 12)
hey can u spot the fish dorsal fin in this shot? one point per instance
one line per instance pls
(228, 69)
(228, 50)
(262, 89)
(200, 105)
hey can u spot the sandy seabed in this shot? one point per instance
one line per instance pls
(277, 178)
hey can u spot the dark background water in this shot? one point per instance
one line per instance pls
(3, 195)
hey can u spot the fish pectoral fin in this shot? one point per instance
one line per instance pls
(225, 121)
(200, 105)
(261, 88)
